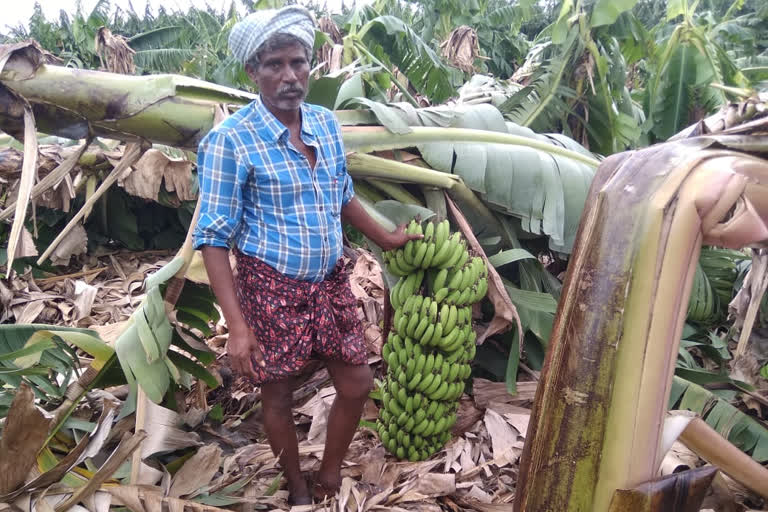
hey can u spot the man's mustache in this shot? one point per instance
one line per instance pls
(290, 89)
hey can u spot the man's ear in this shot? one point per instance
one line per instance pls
(251, 73)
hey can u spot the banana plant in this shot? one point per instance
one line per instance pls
(574, 80)
(686, 58)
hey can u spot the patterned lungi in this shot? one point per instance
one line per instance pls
(297, 321)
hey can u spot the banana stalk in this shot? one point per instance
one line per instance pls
(599, 409)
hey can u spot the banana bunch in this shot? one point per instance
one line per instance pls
(432, 342)
(463, 284)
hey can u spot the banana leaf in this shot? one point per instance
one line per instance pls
(748, 434)
(547, 192)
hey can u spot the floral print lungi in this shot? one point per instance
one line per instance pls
(296, 321)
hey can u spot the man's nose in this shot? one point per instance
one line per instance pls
(289, 75)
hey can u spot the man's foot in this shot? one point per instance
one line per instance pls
(298, 493)
(323, 487)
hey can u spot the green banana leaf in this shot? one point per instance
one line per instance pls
(42, 356)
(545, 192)
(743, 431)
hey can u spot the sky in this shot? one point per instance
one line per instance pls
(19, 11)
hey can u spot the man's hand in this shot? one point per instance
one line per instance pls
(244, 351)
(354, 213)
(398, 238)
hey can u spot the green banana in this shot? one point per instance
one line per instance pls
(421, 361)
(420, 253)
(429, 430)
(453, 315)
(467, 278)
(408, 347)
(401, 263)
(402, 418)
(433, 311)
(452, 342)
(395, 408)
(441, 294)
(427, 336)
(429, 255)
(392, 360)
(409, 424)
(409, 405)
(440, 392)
(415, 381)
(438, 361)
(409, 367)
(440, 279)
(462, 260)
(420, 427)
(437, 382)
(442, 253)
(399, 321)
(456, 280)
(453, 297)
(442, 230)
(397, 344)
(418, 300)
(425, 382)
(429, 364)
(458, 248)
(445, 370)
(437, 335)
(464, 297)
(429, 231)
(421, 328)
(440, 425)
(395, 269)
(432, 408)
(413, 321)
(419, 415)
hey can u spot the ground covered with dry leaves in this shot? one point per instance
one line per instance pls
(212, 453)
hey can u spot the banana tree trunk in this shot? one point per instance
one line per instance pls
(599, 409)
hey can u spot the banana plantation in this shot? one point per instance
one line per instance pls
(583, 327)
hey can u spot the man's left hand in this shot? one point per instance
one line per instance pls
(398, 238)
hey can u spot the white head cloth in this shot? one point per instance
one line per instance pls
(251, 32)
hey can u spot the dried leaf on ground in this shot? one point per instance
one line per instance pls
(197, 472)
(24, 433)
(503, 438)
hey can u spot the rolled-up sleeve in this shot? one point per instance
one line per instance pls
(220, 192)
(348, 188)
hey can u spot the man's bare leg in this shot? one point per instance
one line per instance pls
(352, 383)
(277, 399)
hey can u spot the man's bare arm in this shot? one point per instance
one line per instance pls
(242, 345)
(354, 213)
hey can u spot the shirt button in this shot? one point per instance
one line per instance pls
(321, 207)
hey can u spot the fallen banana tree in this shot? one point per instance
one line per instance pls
(594, 441)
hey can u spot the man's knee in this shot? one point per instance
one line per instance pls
(355, 384)
(277, 397)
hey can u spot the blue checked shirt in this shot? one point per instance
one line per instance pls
(259, 193)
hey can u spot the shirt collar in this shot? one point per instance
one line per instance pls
(270, 128)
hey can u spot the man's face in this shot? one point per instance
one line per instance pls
(282, 77)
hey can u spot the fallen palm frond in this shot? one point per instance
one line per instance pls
(624, 304)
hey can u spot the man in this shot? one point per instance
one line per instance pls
(274, 184)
